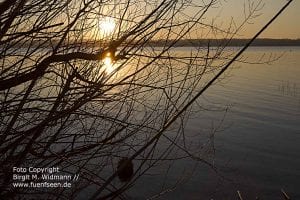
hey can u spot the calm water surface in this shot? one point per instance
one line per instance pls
(258, 152)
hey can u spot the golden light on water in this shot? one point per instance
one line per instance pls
(107, 26)
(108, 63)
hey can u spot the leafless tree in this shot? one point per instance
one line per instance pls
(96, 102)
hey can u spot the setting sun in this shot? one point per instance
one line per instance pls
(107, 25)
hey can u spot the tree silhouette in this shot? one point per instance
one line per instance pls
(97, 103)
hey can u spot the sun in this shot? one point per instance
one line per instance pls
(107, 26)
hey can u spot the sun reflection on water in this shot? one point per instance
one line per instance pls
(108, 63)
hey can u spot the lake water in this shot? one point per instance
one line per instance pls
(257, 149)
(258, 152)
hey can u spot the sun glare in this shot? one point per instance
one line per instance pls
(107, 26)
(108, 63)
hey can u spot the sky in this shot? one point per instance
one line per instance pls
(286, 26)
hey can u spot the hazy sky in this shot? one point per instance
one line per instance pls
(286, 26)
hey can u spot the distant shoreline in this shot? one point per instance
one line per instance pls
(226, 42)
(181, 43)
